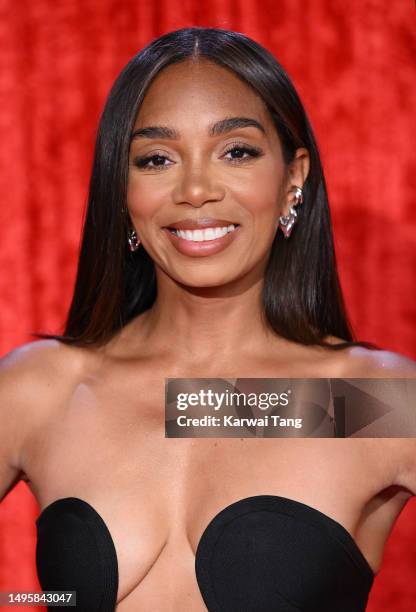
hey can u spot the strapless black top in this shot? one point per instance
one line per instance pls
(264, 553)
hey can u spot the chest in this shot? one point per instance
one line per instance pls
(107, 446)
(111, 432)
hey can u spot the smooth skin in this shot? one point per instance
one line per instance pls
(89, 423)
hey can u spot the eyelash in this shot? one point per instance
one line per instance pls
(142, 162)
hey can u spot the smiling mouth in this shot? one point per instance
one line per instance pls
(203, 235)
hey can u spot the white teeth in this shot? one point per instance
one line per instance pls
(210, 233)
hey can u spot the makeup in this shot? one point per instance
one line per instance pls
(201, 248)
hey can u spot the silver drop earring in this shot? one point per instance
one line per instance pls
(286, 222)
(133, 240)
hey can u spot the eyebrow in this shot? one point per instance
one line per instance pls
(215, 129)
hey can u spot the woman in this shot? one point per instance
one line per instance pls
(202, 129)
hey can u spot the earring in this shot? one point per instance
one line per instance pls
(286, 222)
(133, 240)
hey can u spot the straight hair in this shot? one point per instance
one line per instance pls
(302, 299)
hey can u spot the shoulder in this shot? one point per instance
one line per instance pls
(37, 363)
(33, 379)
(360, 362)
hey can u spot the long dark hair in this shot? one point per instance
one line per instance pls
(302, 299)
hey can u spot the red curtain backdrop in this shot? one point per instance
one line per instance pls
(353, 65)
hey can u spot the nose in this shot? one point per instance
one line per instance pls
(197, 185)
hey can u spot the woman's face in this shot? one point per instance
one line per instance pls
(201, 169)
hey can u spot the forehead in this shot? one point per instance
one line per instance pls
(201, 89)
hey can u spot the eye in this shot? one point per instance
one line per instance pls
(243, 152)
(156, 160)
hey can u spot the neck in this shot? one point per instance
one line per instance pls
(205, 325)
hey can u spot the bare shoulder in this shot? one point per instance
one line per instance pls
(360, 362)
(33, 378)
(37, 363)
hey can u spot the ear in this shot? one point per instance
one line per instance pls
(296, 175)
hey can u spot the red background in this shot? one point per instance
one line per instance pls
(353, 66)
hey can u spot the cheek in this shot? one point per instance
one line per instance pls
(258, 193)
(143, 200)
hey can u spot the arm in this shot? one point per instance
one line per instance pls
(27, 374)
(365, 363)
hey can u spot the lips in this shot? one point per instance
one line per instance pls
(194, 224)
(201, 248)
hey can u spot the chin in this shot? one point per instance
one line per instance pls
(206, 280)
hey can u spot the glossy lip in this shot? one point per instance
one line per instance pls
(190, 224)
(203, 248)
